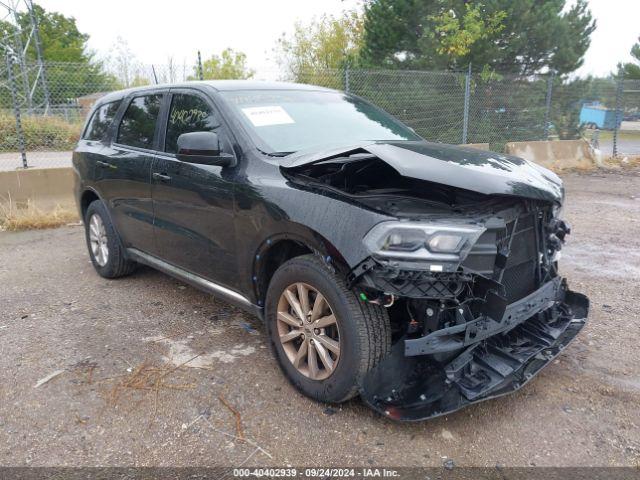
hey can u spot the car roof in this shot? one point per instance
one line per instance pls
(218, 85)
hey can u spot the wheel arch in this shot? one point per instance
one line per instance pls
(279, 248)
(88, 196)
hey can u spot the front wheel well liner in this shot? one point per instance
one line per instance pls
(269, 260)
(279, 249)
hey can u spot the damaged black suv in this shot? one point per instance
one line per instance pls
(421, 276)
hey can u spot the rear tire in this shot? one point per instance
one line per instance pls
(105, 248)
(361, 331)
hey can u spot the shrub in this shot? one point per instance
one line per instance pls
(40, 133)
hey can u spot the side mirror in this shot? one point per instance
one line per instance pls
(202, 148)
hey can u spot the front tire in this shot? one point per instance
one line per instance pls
(324, 338)
(105, 249)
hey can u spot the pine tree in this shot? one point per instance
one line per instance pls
(523, 37)
(631, 70)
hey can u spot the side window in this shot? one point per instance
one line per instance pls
(188, 113)
(101, 121)
(139, 121)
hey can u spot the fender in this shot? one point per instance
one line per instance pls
(306, 238)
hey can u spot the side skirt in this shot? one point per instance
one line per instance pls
(196, 281)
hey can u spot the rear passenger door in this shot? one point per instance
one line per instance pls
(193, 204)
(87, 157)
(125, 170)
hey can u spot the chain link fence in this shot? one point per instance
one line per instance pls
(40, 126)
(626, 139)
(494, 109)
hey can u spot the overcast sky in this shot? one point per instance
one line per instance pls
(156, 30)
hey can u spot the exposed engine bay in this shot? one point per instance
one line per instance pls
(373, 182)
(465, 328)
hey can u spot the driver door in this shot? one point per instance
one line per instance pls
(193, 204)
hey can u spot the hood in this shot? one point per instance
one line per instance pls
(475, 170)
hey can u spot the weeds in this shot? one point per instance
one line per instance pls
(146, 377)
(40, 133)
(33, 218)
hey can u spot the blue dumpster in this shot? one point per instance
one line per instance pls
(597, 115)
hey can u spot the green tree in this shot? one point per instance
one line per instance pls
(326, 43)
(59, 35)
(631, 70)
(229, 65)
(453, 36)
(522, 37)
(72, 70)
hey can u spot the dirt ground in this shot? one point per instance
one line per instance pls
(122, 395)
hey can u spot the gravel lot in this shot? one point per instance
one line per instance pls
(57, 314)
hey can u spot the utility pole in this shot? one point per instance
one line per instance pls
(34, 93)
(19, 46)
(42, 73)
(200, 72)
(547, 110)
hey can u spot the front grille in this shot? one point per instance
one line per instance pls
(519, 277)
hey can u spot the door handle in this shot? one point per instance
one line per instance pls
(161, 177)
(105, 164)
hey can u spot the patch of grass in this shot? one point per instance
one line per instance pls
(582, 168)
(40, 133)
(630, 162)
(607, 135)
(34, 218)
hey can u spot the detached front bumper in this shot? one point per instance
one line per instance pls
(496, 357)
(469, 333)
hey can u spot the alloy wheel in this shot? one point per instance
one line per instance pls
(98, 240)
(309, 331)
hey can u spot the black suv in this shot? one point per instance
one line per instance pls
(421, 276)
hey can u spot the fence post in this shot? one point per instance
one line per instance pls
(347, 79)
(616, 127)
(467, 95)
(16, 109)
(200, 72)
(547, 107)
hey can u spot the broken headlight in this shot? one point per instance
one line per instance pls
(422, 241)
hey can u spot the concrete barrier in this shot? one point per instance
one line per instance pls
(556, 155)
(43, 187)
(479, 146)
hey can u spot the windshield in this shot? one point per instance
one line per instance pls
(286, 121)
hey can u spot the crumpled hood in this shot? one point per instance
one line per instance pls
(461, 167)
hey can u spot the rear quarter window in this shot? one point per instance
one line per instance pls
(101, 121)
